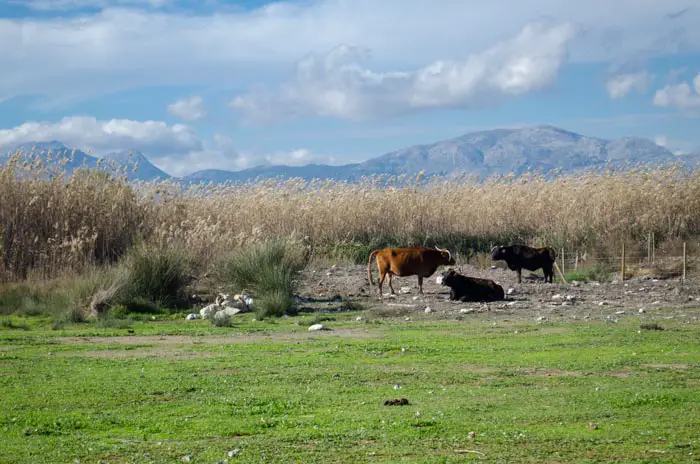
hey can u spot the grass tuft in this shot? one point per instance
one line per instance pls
(270, 272)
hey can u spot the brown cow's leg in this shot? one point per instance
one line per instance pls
(381, 282)
(420, 285)
(520, 272)
(391, 286)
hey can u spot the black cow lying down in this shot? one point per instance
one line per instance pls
(519, 257)
(464, 288)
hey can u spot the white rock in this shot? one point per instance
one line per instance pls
(428, 309)
(208, 311)
(541, 318)
(641, 311)
(358, 318)
(570, 297)
(603, 303)
(315, 327)
(619, 312)
(466, 310)
(405, 290)
(192, 316)
(397, 386)
(556, 297)
(511, 303)
(226, 312)
(510, 291)
(438, 280)
(233, 453)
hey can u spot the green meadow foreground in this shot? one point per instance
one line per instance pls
(169, 390)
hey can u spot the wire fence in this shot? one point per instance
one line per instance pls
(679, 261)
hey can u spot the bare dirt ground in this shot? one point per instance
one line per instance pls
(648, 298)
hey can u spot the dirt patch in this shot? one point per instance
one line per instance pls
(553, 330)
(138, 353)
(548, 372)
(479, 369)
(532, 300)
(620, 374)
(238, 338)
(678, 367)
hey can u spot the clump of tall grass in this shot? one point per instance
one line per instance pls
(270, 272)
(153, 278)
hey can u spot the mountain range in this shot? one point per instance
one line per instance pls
(499, 151)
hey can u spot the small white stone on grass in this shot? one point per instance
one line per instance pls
(428, 309)
(315, 327)
(358, 318)
(192, 316)
(619, 312)
(233, 453)
(641, 310)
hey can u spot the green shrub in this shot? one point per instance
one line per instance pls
(596, 273)
(155, 278)
(270, 272)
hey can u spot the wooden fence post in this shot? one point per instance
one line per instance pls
(685, 260)
(563, 262)
(622, 274)
(649, 248)
(653, 247)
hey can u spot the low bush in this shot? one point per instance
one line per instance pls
(270, 272)
(154, 278)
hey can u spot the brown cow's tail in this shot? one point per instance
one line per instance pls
(369, 266)
(553, 253)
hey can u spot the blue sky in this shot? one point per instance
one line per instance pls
(229, 85)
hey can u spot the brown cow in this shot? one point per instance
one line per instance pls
(402, 262)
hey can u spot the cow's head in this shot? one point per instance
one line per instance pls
(498, 253)
(448, 260)
(446, 277)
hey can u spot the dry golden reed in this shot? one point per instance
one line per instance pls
(51, 225)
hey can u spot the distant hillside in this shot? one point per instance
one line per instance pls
(54, 152)
(481, 154)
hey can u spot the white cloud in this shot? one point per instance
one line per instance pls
(62, 5)
(102, 136)
(188, 109)
(620, 85)
(120, 48)
(338, 85)
(680, 96)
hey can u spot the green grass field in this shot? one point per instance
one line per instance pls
(278, 393)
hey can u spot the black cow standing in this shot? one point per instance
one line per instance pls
(519, 257)
(464, 288)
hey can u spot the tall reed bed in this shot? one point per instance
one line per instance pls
(50, 226)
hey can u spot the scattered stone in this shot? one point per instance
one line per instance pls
(428, 309)
(397, 386)
(575, 283)
(593, 426)
(511, 303)
(396, 402)
(358, 318)
(603, 303)
(541, 318)
(315, 327)
(570, 297)
(405, 290)
(233, 453)
(466, 310)
(656, 303)
(641, 311)
(510, 291)
(187, 458)
(620, 312)
(192, 316)
(406, 318)
(556, 297)
(471, 435)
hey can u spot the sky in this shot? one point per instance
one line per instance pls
(214, 84)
